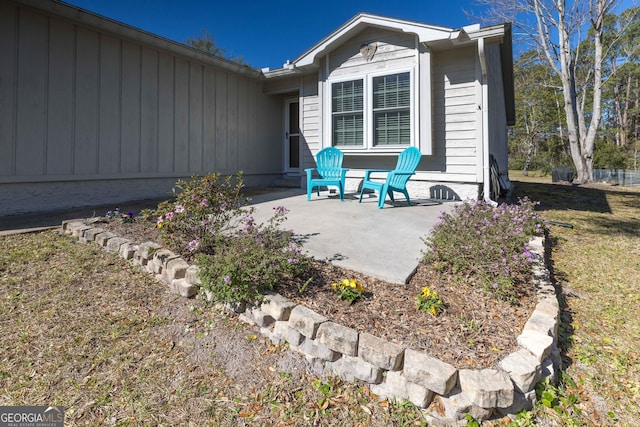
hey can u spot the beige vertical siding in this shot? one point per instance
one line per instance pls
(60, 117)
(456, 114)
(31, 95)
(79, 103)
(7, 88)
(82, 99)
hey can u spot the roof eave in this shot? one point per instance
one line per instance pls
(424, 32)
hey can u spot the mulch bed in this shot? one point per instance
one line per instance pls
(474, 331)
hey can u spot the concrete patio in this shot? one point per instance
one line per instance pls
(384, 243)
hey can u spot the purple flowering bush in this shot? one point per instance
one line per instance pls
(255, 258)
(203, 209)
(489, 244)
(209, 221)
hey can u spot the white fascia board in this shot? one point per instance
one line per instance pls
(489, 34)
(424, 32)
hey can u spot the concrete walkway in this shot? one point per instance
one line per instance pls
(384, 243)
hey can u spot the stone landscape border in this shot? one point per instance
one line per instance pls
(391, 370)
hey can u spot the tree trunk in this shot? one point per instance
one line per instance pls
(571, 106)
(551, 19)
(527, 163)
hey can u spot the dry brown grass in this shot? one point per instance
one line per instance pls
(597, 262)
(86, 330)
(83, 329)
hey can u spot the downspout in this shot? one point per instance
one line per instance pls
(486, 177)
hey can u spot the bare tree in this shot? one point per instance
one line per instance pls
(207, 44)
(625, 66)
(555, 27)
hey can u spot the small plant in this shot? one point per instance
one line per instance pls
(429, 301)
(488, 243)
(124, 217)
(210, 223)
(113, 214)
(349, 290)
(203, 211)
(127, 217)
(562, 400)
(251, 259)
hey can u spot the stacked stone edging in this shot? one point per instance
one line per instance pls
(391, 370)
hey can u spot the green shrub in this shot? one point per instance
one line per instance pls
(209, 221)
(204, 209)
(488, 243)
(253, 259)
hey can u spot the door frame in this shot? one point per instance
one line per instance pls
(287, 137)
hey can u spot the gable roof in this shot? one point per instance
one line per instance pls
(424, 32)
(430, 35)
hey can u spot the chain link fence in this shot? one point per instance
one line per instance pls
(627, 178)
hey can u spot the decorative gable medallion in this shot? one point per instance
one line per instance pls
(368, 49)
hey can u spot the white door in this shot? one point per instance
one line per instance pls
(292, 137)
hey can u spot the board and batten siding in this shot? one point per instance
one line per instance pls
(79, 103)
(456, 115)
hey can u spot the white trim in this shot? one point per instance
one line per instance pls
(415, 100)
(424, 32)
(425, 79)
(367, 79)
(287, 139)
(485, 122)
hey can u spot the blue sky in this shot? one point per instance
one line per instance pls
(267, 33)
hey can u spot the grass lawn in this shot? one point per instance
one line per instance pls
(83, 329)
(597, 262)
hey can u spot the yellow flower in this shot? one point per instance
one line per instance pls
(433, 310)
(426, 292)
(334, 286)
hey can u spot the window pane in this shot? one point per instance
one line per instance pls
(348, 130)
(347, 96)
(392, 128)
(346, 105)
(391, 110)
(391, 91)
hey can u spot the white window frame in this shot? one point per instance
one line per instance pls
(368, 131)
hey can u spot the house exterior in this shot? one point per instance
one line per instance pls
(95, 111)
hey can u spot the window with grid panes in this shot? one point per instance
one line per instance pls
(347, 103)
(391, 109)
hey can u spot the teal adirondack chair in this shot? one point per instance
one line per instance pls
(396, 179)
(329, 170)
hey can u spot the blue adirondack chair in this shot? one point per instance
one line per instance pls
(396, 179)
(329, 171)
